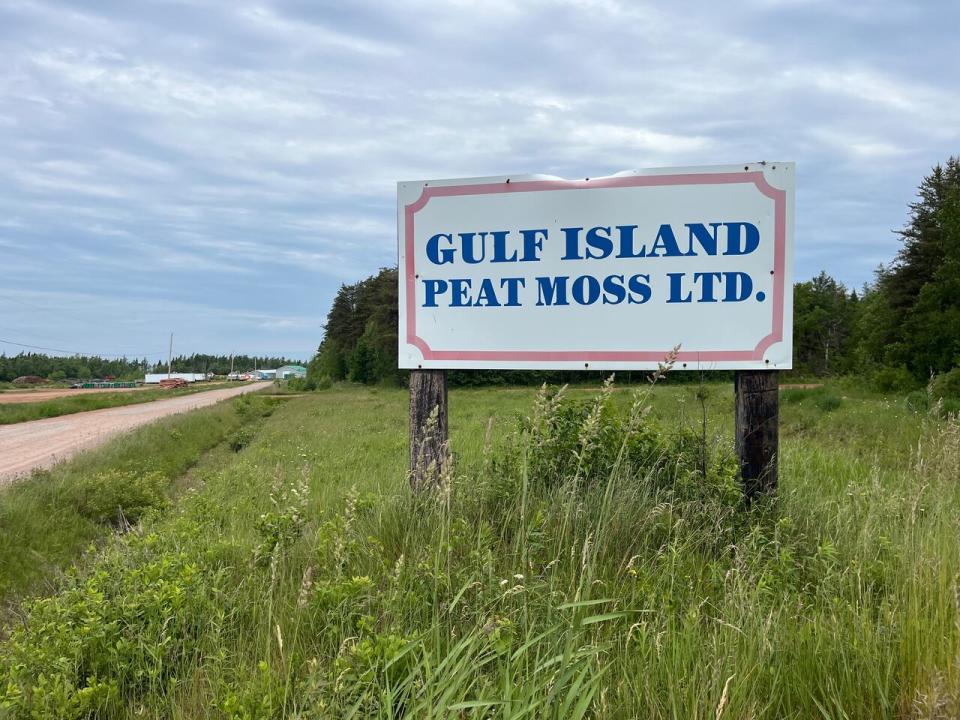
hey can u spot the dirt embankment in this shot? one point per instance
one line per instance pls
(42, 443)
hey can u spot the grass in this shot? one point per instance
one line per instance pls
(578, 564)
(49, 518)
(22, 412)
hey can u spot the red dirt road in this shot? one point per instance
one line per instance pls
(42, 443)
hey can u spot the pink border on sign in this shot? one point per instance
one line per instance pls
(778, 196)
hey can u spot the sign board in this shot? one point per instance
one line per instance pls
(601, 273)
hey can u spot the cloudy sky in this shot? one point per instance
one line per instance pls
(217, 168)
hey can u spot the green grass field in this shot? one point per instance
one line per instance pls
(80, 402)
(578, 562)
(46, 521)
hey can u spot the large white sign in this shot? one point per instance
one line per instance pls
(601, 273)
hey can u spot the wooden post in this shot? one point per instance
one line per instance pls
(757, 429)
(429, 449)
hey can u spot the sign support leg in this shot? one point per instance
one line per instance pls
(429, 447)
(757, 429)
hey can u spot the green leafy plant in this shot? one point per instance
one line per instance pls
(114, 496)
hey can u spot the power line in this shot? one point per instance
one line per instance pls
(76, 352)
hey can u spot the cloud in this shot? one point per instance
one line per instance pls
(197, 164)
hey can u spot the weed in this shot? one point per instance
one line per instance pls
(828, 402)
(118, 496)
(241, 438)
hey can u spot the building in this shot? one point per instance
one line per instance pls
(291, 371)
(266, 374)
(155, 378)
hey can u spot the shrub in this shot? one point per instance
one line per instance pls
(584, 443)
(828, 401)
(793, 395)
(897, 379)
(257, 694)
(123, 629)
(241, 438)
(918, 401)
(379, 660)
(116, 495)
(944, 408)
(946, 386)
(578, 440)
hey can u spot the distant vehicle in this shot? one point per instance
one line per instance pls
(77, 386)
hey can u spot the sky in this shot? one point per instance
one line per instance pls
(217, 169)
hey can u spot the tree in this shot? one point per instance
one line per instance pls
(363, 359)
(330, 360)
(360, 339)
(823, 321)
(921, 289)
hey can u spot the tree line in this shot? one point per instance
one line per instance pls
(80, 367)
(897, 330)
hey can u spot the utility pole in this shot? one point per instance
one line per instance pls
(231, 363)
(170, 357)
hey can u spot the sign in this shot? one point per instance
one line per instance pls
(601, 273)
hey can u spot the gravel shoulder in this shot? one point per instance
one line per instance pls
(27, 446)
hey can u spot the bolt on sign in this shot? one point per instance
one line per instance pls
(601, 273)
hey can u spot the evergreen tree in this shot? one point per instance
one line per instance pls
(921, 321)
(823, 322)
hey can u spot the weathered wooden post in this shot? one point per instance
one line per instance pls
(757, 429)
(429, 446)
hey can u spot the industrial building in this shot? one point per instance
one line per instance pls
(291, 371)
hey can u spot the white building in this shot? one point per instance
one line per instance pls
(155, 378)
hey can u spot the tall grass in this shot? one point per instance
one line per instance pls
(48, 519)
(584, 560)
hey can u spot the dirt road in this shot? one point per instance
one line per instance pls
(42, 443)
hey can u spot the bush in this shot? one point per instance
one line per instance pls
(897, 379)
(113, 496)
(128, 626)
(241, 438)
(828, 401)
(946, 386)
(583, 443)
(323, 382)
(918, 401)
(793, 395)
(944, 407)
